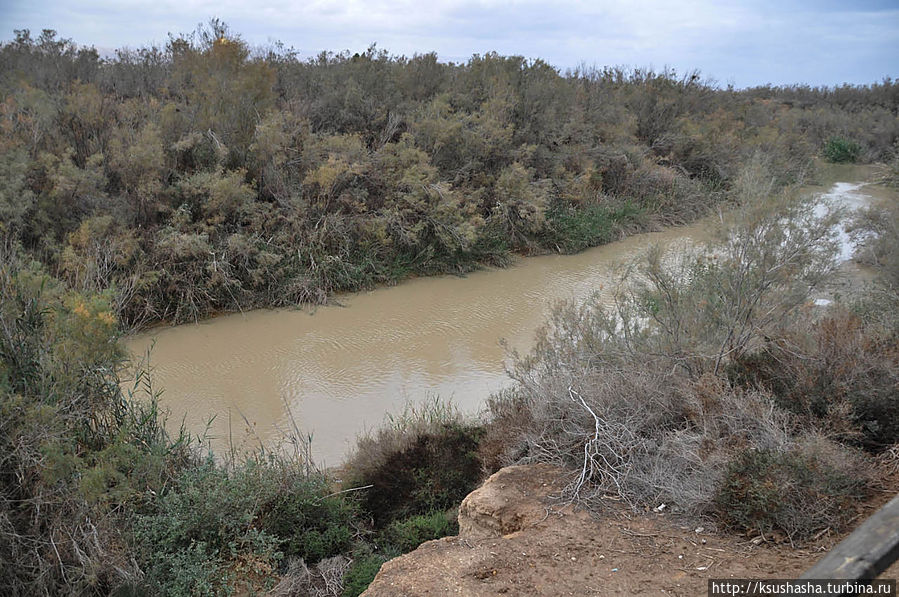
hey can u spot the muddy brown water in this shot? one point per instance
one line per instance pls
(337, 370)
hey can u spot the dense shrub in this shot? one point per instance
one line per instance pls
(841, 150)
(796, 493)
(837, 372)
(707, 369)
(77, 454)
(876, 232)
(216, 525)
(424, 461)
(402, 536)
(201, 176)
(431, 471)
(504, 441)
(169, 183)
(891, 177)
(96, 498)
(361, 573)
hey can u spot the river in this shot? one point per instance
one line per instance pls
(337, 370)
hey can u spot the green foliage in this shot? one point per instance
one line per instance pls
(188, 572)
(573, 229)
(77, 456)
(361, 573)
(842, 150)
(237, 180)
(433, 471)
(172, 182)
(16, 199)
(794, 493)
(403, 536)
(252, 517)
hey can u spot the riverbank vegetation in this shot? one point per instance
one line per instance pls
(169, 183)
(713, 384)
(97, 499)
(204, 175)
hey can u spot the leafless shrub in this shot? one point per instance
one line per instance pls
(686, 464)
(600, 419)
(889, 459)
(325, 579)
(876, 233)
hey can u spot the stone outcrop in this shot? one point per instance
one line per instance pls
(509, 501)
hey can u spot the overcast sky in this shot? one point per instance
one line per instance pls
(820, 42)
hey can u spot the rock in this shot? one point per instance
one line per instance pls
(508, 501)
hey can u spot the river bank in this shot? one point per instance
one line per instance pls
(339, 369)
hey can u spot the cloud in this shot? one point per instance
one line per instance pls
(815, 41)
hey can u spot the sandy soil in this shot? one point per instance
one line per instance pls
(513, 541)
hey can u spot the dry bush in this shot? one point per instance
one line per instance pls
(325, 579)
(838, 373)
(876, 231)
(600, 421)
(503, 441)
(634, 396)
(888, 460)
(635, 431)
(689, 461)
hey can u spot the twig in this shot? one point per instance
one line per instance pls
(347, 491)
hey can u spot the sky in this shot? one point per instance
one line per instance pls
(748, 43)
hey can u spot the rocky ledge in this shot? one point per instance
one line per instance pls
(516, 540)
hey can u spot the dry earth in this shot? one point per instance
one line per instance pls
(514, 541)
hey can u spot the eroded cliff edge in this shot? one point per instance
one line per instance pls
(515, 539)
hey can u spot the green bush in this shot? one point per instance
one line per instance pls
(841, 150)
(399, 537)
(796, 493)
(362, 571)
(194, 202)
(252, 517)
(433, 471)
(572, 229)
(76, 456)
(402, 536)
(189, 572)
